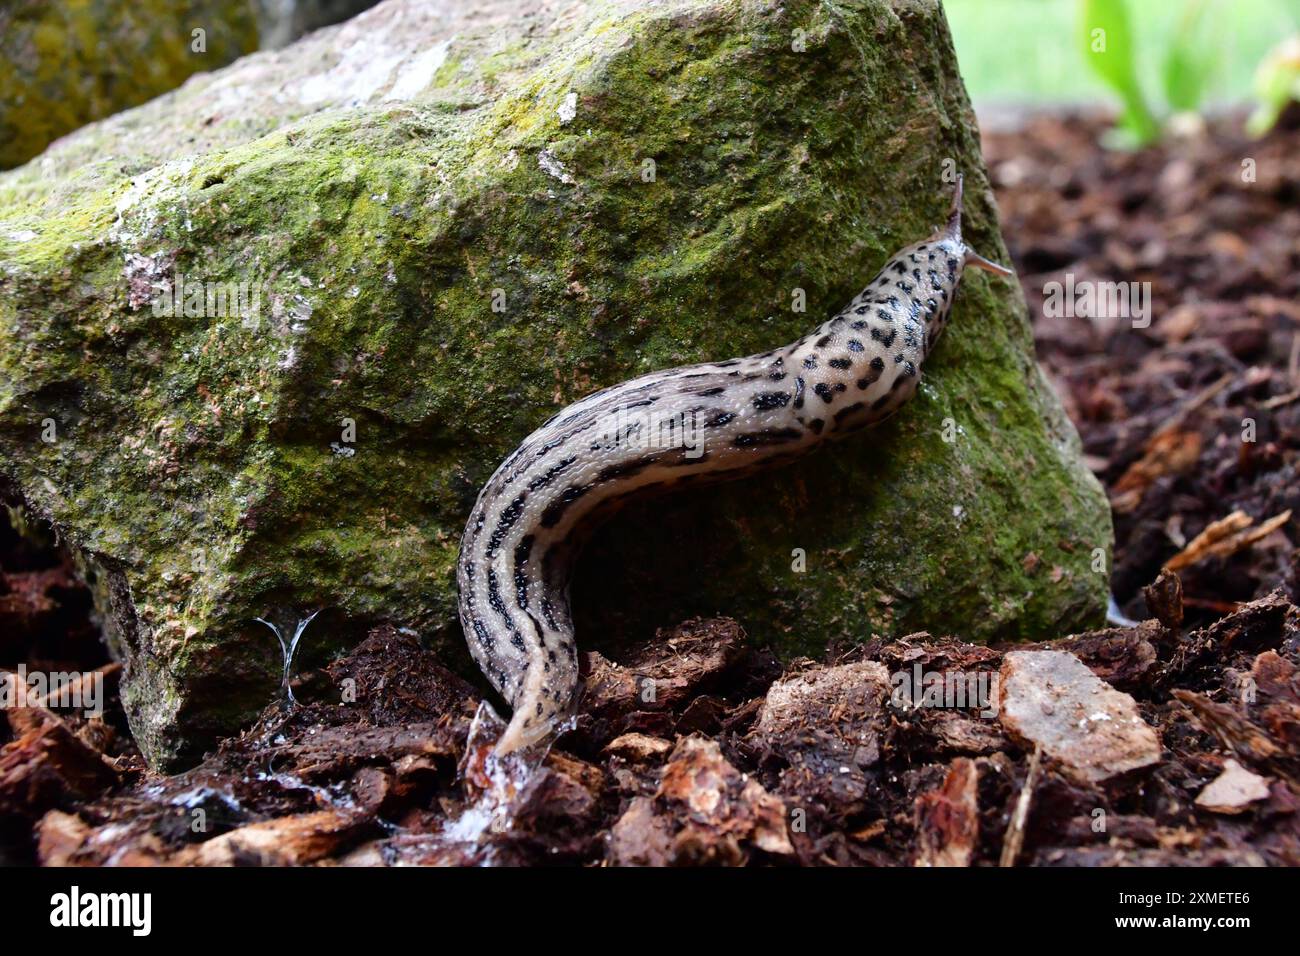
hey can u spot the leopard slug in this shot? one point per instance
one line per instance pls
(673, 429)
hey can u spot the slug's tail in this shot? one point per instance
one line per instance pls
(953, 232)
(540, 713)
(519, 737)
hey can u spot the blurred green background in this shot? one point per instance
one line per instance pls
(1033, 50)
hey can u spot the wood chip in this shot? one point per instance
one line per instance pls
(1224, 537)
(947, 819)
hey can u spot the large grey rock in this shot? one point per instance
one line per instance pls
(381, 185)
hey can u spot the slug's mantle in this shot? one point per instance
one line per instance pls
(453, 222)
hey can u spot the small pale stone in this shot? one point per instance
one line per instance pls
(1052, 700)
(1233, 790)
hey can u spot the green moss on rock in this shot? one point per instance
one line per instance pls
(409, 171)
(67, 63)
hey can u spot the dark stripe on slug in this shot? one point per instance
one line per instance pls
(769, 436)
(522, 551)
(546, 477)
(848, 410)
(557, 442)
(509, 515)
(624, 469)
(840, 363)
(482, 633)
(798, 392)
(554, 511)
(498, 605)
(824, 392)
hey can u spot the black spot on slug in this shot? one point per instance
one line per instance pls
(768, 400)
(719, 419)
(873, 372)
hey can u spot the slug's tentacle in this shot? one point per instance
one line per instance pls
(670, 430)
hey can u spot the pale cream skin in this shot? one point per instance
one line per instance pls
(675, 429)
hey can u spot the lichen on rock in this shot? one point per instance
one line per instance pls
(457, 220)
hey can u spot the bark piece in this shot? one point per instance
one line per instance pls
(638, 748)
(947, 819)
(704, 812)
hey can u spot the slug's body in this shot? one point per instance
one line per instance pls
(674, 429)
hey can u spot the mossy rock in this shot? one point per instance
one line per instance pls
(456, 231)
(64, 63)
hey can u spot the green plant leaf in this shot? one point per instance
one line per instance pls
(1277, 82)
(1189, 61)
(1108, 49)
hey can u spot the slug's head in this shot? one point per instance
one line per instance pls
(950, 238)
(955, 256)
